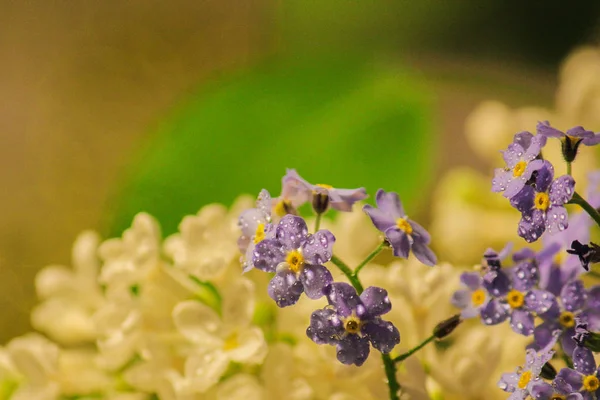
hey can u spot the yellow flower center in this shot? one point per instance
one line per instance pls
(478, 297)
(295, 260)
(231, 342)
(259, 235)
(557, 396)
(515, 299)
(524, 379)
(559, 258)
(403, 225)
(324, 186)
(352, 324)
(542, 201)
(591, 383)
(283, 208)
(567, 319)
(519, 168)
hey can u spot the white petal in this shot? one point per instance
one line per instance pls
(238, 303)
(195, 321)
(64, 321)
(240, 387)
(203, 370)
(85, 255)
(52, 280)
(35, 357)
(251, 346)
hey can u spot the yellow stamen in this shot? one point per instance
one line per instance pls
(567, 319)
(295, 260)
(515, 299)
(557, 396)
(231, 342)
(591, 383)
(559, 258)
(324, 186)
(259, 235)
(519, 169)
(282, 208)
(478, 297)
(542, 201)
(403, 225)
(524, 379)
(352, 324)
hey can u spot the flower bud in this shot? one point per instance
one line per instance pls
(548, 371)
(446, 327)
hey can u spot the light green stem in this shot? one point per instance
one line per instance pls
(412, 351)
(354, 281)
(369, 258)
(318, 222)
(569, 168)
(580, 201)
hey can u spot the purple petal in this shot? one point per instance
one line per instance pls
(594, 297)
(513, 154)
(525, 275)
(544, 128)
(325, 327)
(568, 380)
(384, 336)
(583, 360)
(501, 179)
(579, 132)
(389, 203)
(291, 232)
(573, 296)
(592, 141)
(515, 185)
(494, 312)
(543, 334)
(472, 280)
(508, 382)
(376, 301)
(540, 301)
(343, 297)
(400, 242)
(419, 233)
(497, 283)
(523, 139)
(557, 220)
(544, 177)
(315, 278)
(523, 200)
(532, 225)
(541, 390)
(522, 322)
(267, 255)
(295, 189)
(424, 253)
(461, 298)
(353, 350)
(249, 220)
(263, 203)
(567, 342)
(284, 288)
(347, 197)
(561, 190)
(380, 219)
(535, 147)
(317, 249)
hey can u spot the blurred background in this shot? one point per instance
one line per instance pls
(111, 107)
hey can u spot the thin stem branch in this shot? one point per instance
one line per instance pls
(348, 272)
(390, 373)
(412, 351)
(318, 222)
(580, 201)
(369, 257)
(569, 168)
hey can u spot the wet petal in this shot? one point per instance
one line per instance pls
(543, 334)
(325, 327)
(197, 322)
(583, 360)
(376, 301)
(515, 185)
(284, 288)
(556, 220)
(315, 279)
(532, 225)
(592, 141)
(390, 204)
(580, 132)
(317, 249)
(508, 382)
(380, 219)
(523, 200)
(594, 297)
(347, 198)
(525, 275)
(522, 322)
(568, 380)
(291, 232)
(523, 139)
(424, 253)
(544, 177)
(400, 242)
(535, 147)
(513, 154)
(541, 390)
(353, 350)
(344, 298)
(501, 179)
(561, 190)
(573, 296)
(540, 301)
(544, 129)
(295, 189)
(497, 283)
(249, 220)
(494, 312)
(567, 342)
(384, 336)
(267, 255)
(250, 346)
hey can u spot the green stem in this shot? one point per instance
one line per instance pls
(348, 272)
(595, 274)
(318, 222)
(390, 373)
(369, 258)
(412, 351)
(580, 201)
(568, 168)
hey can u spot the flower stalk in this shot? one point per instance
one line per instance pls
(371, 256)
(587, 207)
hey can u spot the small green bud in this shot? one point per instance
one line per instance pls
(446, 327)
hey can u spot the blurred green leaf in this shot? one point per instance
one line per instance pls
(346, 123)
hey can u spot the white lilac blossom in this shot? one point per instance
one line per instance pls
(403, 233)
(353, 321)
(521, 161)
(542, 204)
(296, 257)
(584, 378)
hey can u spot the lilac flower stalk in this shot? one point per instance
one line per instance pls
(521, 161)
(322, 195)
(542, 205)
(353, 321)
(255, 224)
(296, 257)
(584, 379)
(521, 383)
(403, 233)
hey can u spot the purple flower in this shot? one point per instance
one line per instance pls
(293, 195)
(542, 205)
(255, 224)
(322, 195)
(521, 162)
(570, 140)
(353, 322)
(514, 297)
(473, 298)
(544, 391)
(403, 233)
(521, 382)
(296, 257)
(583, 379)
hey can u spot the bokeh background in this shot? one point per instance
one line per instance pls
(112, 107)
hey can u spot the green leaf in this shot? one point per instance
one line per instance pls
(346, 122)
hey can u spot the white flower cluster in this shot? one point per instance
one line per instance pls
(141, 318)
